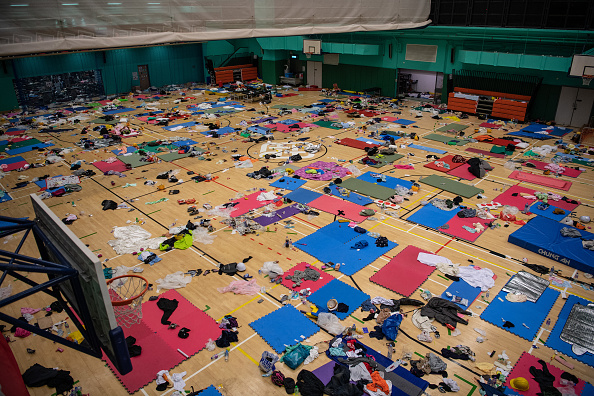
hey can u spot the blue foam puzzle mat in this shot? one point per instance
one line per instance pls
(288, 183)
(369, 140)
(129, 149)
(532, 314)
(588, 389)
(26, 149)
(11, 160)
(284, 327)
(404, 122)
(353, 197)
(429, 149)
(333, 243)
(259, 129)
(463, 290)
(288, 122)
(187, 142)
(6, 197)
(15, 129)
(117, 111)
(223, 130)
(387, 136)
(554, 131)
(548, 212)
(303, 195)
(210, 391)
(391, 182)
(340, 291)
(3, 142)
(555, 342)
(183, 124)
(327, 100)
(531, 135)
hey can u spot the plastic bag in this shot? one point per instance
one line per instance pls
(176, 280)
(330, 323)
(510, 165)
(296, 356)
(271, 268)
(202, 235)
(132, 238)
(241, 287)
(354, 170)
(391, 326)
(244, 164)
(510, 210)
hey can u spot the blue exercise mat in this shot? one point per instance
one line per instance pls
(284, 327)
(187, 142)
(288, 183)
(183, 124)
(26, 149)
(5, 198)
(531, 314)
(554, 341)
(288, 122)
(429, 149)
(129, 149)
(369, 140)
(463, 290)
(327, 100)
(303, 195)
(337, 242)
(531, 135)
(353, 197)
(554, 131)
(431, 216)
(11, 160)
(391, 182)
(387, 136)
(210, 391)
(548, 212)
(117, 111)
(404, 122)
(259, 129)
(342, 293)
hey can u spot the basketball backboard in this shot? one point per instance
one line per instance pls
(312, 47)
(89, 298)
(582, 65)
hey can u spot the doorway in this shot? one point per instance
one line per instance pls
(143, 77)
(420, 85)
(314, 73)
(575, 106)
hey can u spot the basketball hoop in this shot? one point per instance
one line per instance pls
(587, 78)
(126, 293)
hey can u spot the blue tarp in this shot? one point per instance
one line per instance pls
(542, 235)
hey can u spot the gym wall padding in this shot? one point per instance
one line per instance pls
(542, 235)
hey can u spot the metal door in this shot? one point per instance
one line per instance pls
(143, 76)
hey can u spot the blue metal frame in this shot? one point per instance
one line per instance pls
(13, 263)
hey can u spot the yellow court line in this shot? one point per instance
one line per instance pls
(246, 355)
(429, 193)
(238, 308)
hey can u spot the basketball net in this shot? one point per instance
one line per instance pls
(586, 79)
(126, 294)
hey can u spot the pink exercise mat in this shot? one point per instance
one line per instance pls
(332, 205)
(145, 119)
(569, 172)
(489, 125)
(446, 159)
(117, 166)
(462, 172)
(245, 205)
(404, 273)
(522, 369)
(313, 286)
(355, 143)
(457, 231)
(546, 181)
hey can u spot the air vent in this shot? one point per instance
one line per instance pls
(421, 53)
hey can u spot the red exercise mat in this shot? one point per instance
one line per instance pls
(403, 274)
(313, 286)
(330, 204)
(546, 181)
(489, 125)
(389, 118)
(522, 369)
(202, 327)
(13, 166)
(448, 160)
(502, 142)
(455, 227)
(569, 172)
(14, 133)
(484, 152)
(507, 197)
(245, 205)
(156, 355)
(355, 143)
(117, 166)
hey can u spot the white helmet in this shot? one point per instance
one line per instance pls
(240, 267)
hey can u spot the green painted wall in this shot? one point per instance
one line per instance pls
(8, 99)
(272, 70)
(544, 105)
(358, 78)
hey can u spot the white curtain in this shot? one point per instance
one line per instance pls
(37, 26)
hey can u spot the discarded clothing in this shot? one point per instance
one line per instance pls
(444, 311)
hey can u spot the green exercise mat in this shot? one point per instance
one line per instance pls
(102, 121)
(392, 133)
(455, 187)
(286, 106)
(327, 124)
(366, 188)
(133, 160)
(445, 139)
(173, 156)
(500, 150)
(449, 127)
(159, 148)
(384, 159)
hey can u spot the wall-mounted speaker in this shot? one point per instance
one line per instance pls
(453, 55)
(390, 51)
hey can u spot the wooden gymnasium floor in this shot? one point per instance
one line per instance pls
(240, 375)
